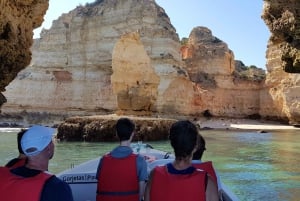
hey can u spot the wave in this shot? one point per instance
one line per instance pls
(10, 129)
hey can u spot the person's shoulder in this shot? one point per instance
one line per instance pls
(140, 157)
(57, 185)
(56, 189)
(56, 181)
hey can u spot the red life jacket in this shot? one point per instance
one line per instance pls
(118, 179)
(208, 167)
(175, 187)
(16, 188)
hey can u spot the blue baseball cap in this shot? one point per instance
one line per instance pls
(36, 139)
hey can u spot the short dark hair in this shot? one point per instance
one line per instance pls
(124, 128)
(183, 138)
(19, 137)
(200, 148)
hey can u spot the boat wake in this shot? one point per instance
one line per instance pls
(10, 130)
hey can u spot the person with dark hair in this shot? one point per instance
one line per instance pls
(179, 180)
(21, 159)
(207, 165)
(122, 174)
(32, 181)
(201, 147)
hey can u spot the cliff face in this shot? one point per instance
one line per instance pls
(223, 91)
(18, 18)
(283, 59)
(125, 57)
(283, 19)
(134, 79)
(74, 59)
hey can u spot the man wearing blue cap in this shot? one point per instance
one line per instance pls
(32, 182)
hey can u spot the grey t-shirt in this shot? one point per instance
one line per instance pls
(125, 151)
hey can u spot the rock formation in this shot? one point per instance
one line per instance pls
(73, 59)
(102, 128)
(125, 57)
(282, 85)
(223, 91)
(283, 19)
(137, 91)
(18, 18)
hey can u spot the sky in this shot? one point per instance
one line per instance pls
(236, 22)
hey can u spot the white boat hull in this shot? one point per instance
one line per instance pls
(83, 182)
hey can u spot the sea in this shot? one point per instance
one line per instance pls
(254, 166)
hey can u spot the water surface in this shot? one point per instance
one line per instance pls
(255, 166)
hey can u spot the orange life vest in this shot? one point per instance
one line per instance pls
(118, 179)
(16, 188)
(208, 167)
(175, 187)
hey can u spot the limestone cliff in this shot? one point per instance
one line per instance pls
(218, 77)
(125, 57)
(283, 19)
(74, 59)
(18, 18)
(138, 70)
(283, 60)
(134, 79)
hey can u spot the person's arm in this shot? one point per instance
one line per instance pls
(142, 185)
(142, 175)
(148, 188)
(98, 168)
(211, 190)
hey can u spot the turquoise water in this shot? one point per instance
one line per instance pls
(255, 166)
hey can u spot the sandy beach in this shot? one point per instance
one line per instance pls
(245, 124)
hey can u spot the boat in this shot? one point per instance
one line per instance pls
(83, 182)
